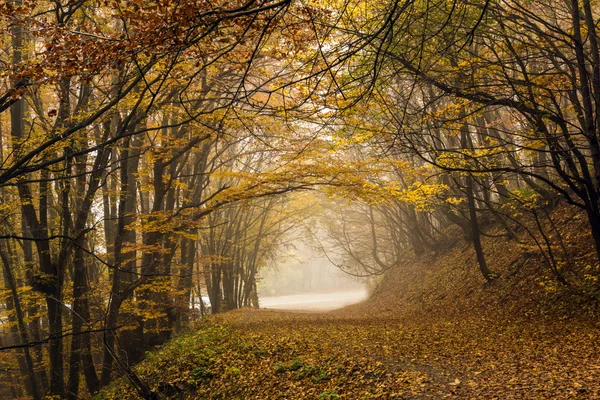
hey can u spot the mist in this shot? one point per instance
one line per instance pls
(303, 278)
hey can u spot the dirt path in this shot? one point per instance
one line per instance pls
(314, 301)
(437, 358)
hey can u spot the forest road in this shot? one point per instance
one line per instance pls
(314, 301)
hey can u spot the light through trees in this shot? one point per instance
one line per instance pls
(154, 152)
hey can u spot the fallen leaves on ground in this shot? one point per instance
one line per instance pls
(250, 354)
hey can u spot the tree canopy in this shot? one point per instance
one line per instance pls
(154, 152)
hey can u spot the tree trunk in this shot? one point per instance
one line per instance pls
(12, 286)
(475, 232)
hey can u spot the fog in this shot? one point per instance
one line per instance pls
(302, 278)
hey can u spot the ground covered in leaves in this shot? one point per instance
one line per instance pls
(282, 355)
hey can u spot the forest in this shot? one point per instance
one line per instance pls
(155, 153)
